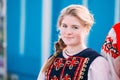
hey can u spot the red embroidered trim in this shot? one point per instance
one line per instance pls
(70, 62)
(83, 66)
(67, 54)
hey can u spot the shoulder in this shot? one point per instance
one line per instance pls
(99, 69)
(100, 63)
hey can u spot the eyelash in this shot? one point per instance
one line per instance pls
(74, 27)
(65, 26)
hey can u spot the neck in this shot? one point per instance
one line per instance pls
(75, 49)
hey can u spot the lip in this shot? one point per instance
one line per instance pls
(68, 37)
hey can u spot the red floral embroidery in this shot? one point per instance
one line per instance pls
(66, 77)
(58, 64)
(72, 63)
(78, 64)
(110, 47)
(54, 78)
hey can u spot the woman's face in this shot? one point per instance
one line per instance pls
(72, 31)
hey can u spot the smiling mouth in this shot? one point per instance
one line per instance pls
(68, 37)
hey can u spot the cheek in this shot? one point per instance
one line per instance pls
(79, 36)
(62, 32)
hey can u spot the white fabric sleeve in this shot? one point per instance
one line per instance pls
(41, 76)
(99, 69)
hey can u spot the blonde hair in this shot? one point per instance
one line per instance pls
(78, 11)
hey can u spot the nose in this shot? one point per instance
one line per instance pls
(69, 31)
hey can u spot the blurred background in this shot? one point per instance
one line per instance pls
(28, 32)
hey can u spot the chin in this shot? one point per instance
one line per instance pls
(70, 44)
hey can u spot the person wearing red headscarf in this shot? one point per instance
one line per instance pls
(111, 51)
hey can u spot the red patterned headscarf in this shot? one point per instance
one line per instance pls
(111, 45)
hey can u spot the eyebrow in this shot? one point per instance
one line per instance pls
(72, 25)
(76, 25)
(62, 23)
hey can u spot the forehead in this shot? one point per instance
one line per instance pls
(68, 19)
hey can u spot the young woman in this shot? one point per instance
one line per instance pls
(72, 59)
